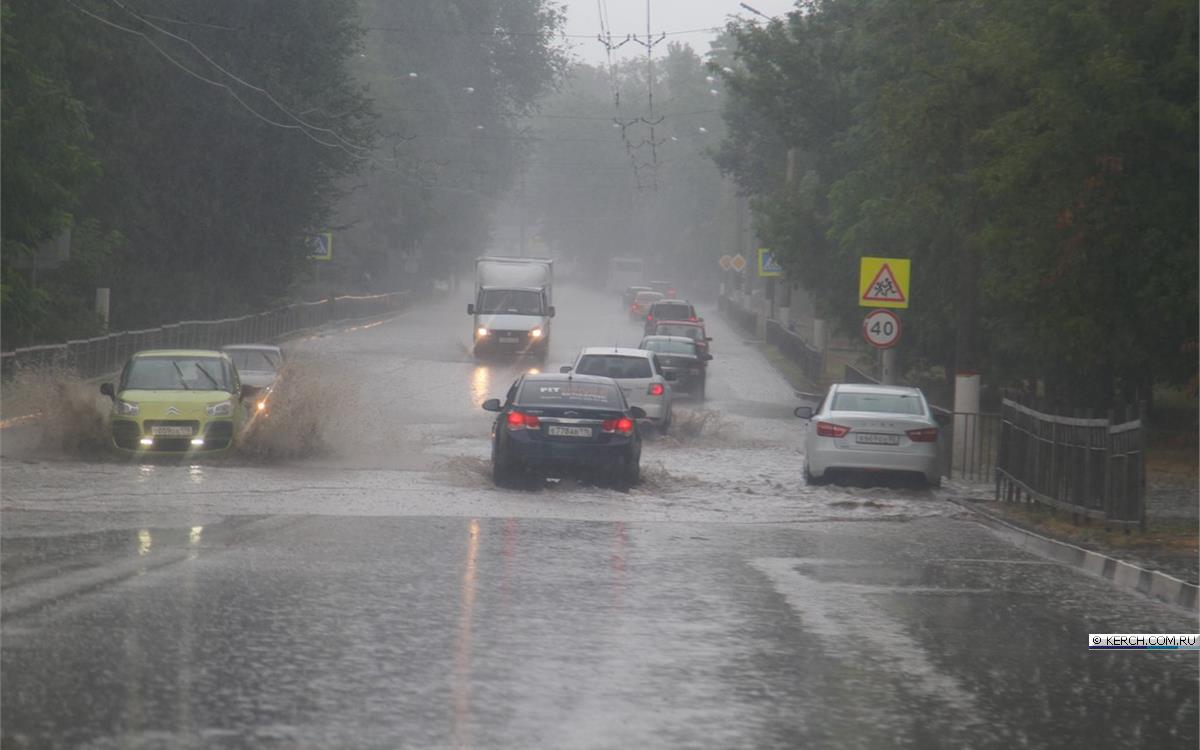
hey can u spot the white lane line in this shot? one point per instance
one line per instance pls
(854, 626)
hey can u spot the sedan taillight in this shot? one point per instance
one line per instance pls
(829, 429)
(656, 389)
(923, 435)
(622, 426)
(521, 421)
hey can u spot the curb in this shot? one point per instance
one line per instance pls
(1151, 583)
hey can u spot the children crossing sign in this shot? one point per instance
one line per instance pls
(883, 282)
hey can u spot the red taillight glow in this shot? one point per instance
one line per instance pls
(656, 389)
(650, 317)
(623, 426)
(829, 429)
(692, 319)
(520, 421)
(923, 435)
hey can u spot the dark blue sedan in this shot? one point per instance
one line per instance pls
(558, 424)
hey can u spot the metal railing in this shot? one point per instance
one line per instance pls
(810, 360)
(1091, 468)
(745, 319)
(90, 358)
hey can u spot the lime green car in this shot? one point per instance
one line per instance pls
(177, 402)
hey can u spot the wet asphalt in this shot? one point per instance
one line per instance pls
(352, 579)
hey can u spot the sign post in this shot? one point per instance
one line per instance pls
(884, 283)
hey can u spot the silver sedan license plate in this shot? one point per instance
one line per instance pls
(560, 431)
(873, 438)
(507, 340)
(162, 430)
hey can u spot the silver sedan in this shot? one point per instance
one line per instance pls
(871, 428)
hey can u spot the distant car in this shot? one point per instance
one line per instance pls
(670, 309)
(177, 401)
(667, 288)
(679, 355)
(639, 374)
(642, 302)
(694, 330)
(565, 423)
(258, 365)
(871, 428)
(630, 293)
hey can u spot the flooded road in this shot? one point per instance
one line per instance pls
(355, 580)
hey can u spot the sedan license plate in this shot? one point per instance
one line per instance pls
(507, 340)
(873, 438)
(560, 431)
(161, 430)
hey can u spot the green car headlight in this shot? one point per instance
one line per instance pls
(125, 408)
(222, 409)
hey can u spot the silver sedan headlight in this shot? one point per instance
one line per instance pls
(221, 409)
(125, 408)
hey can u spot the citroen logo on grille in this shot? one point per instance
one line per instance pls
(172, 411)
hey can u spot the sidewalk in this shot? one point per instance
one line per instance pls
(1168, 544)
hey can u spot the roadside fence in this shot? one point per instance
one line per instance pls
(745, 319)
(810, 360)
(93, 357)
(1091, 468)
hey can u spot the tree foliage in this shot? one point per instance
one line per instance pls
(1037, 163)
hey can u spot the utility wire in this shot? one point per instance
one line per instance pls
(212, 82)
(291, 115)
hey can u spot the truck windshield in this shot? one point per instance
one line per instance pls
(510, 301)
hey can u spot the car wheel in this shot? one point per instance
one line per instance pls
(627, 472)
(700, 391)
(665, 425)
(810, 479)
(504, 472)
(933, 483)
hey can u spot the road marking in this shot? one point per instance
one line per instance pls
(855, 626)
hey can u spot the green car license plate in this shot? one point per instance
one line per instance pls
(164, 430)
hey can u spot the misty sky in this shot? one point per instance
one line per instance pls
(629, 16)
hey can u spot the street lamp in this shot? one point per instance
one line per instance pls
(756, 11)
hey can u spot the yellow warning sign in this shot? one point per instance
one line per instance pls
(883, 282)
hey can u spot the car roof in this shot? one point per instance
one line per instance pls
(251, 348)
(620, 351)
(893, 390)
(679, 339)
(513, 288)
(554, 377)
(196, 353)
(649, 292)
(639, 289)
(668, 321)
(673, 302)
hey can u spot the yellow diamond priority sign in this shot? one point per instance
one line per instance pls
(725, 262)
(883, 282)
(738, 263)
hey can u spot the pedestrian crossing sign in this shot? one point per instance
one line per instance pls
(883, 282)
(320, 246)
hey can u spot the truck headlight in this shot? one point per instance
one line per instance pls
(481, 332)
(125, 408)
(536, 333)
(220, 409)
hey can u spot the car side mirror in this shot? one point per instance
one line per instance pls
(550, 312)
(637, 412)
(492, 404)
(804, 412)
(470, 309)
(670, 377)
(565, 369)
(249, 391)
(107, 390)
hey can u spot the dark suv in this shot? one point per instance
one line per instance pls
(669, 309)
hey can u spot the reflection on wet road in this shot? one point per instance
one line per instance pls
(379, 592)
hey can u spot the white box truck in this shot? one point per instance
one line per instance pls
(514, 302)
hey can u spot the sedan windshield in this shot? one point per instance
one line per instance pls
(566, 393)
(670, 347)
(614, 366)
(677, 330)
(254, 359)
(510, 301)
(884, 403)
(176, 374)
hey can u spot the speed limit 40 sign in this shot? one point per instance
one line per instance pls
(881, 328)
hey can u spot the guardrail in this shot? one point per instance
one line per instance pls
(810, 360)
(1091, 468)
(101, 355)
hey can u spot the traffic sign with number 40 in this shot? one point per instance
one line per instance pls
(881, 329)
